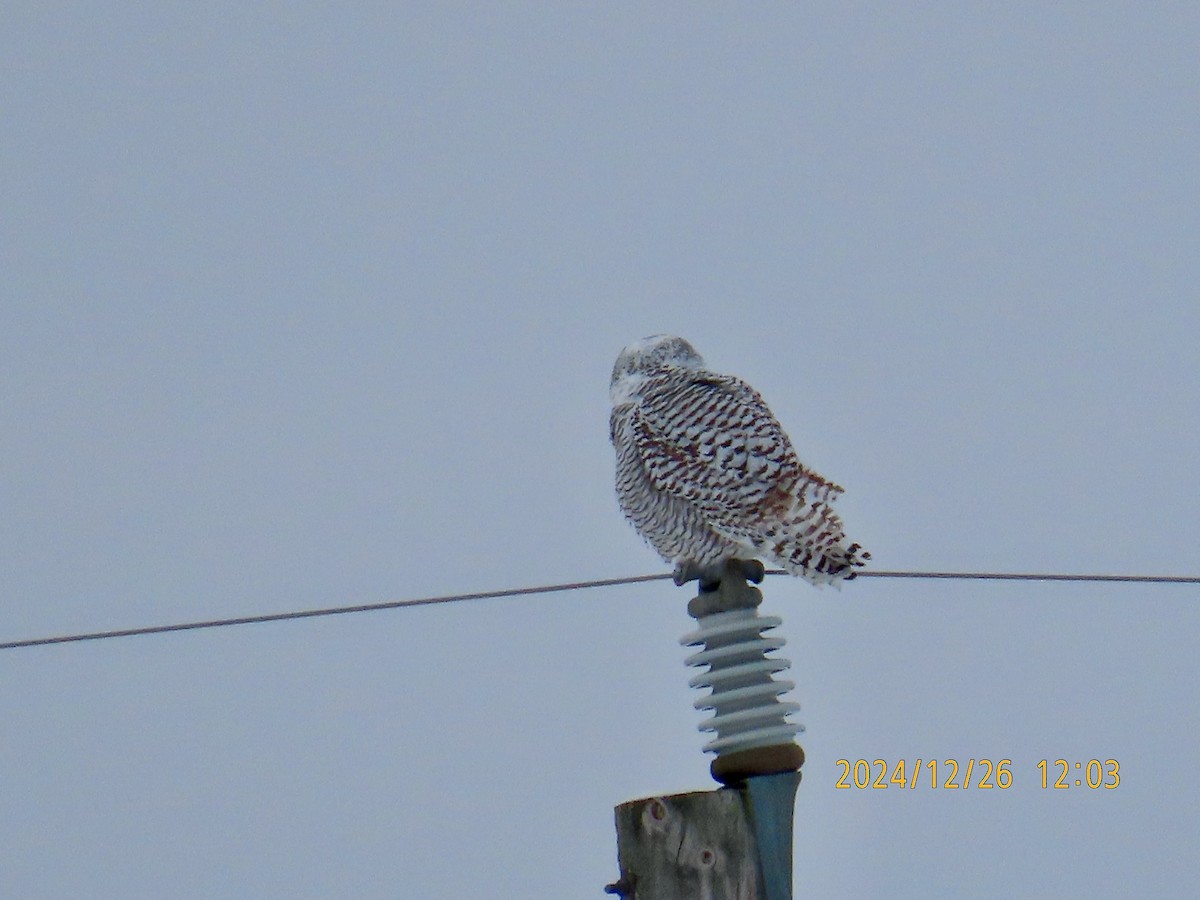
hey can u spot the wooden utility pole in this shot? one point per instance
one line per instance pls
(734, 843)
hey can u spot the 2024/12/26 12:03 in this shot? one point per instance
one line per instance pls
(982, 774)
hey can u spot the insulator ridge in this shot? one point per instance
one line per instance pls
(744, 692)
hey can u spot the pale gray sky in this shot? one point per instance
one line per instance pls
(314, 304)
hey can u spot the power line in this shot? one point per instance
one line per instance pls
(328, 611)
(1018, 576)
(556, 588)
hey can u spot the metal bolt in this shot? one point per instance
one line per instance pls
(624, 887)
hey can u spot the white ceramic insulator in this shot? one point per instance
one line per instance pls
(745, 695)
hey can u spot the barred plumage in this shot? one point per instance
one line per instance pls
(706, 473)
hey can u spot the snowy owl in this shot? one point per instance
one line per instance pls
(706, 474)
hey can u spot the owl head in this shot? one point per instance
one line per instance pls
(652, 354)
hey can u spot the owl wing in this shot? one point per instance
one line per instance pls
(711, 440)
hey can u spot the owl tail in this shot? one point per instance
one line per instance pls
(837, 564)
(811, 543)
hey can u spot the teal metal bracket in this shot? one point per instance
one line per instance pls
(770, 802)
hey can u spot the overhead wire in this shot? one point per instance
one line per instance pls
(556, 588)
